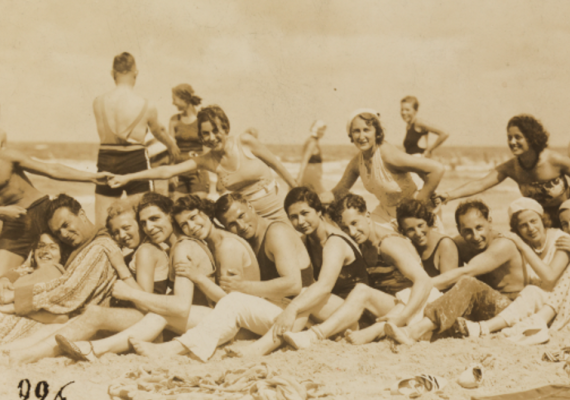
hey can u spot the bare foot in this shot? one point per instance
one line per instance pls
(243, 352)
(359, 337)
(160, 350)
(301, 340)
(400, 335)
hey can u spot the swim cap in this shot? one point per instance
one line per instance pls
(357, 112)
(525, 203)
(564, 206)
(318, 124)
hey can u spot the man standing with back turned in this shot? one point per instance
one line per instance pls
(122, 118)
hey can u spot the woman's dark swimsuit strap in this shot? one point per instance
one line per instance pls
(268, 269)
(349, 275)
(429, 263)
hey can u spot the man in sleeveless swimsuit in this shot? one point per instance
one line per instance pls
(122, 118)
(487, 284)
(284, 266)
(22, 206)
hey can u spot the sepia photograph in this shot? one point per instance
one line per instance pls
(305, 199)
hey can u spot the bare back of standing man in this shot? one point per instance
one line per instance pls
(123, 118)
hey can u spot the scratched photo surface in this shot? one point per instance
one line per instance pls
(277, 67)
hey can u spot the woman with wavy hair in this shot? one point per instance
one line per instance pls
(539, 172)
(384, 169)
(183, 127)
(241, 162)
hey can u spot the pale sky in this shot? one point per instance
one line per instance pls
(279, 65)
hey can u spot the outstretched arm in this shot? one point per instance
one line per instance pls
(351, 174)
(400, 254)
(260, 151)
(289, 254)
(53, 170)
(160, 133)
(493, 178)
(500, 252)
(441, 137)
(549, 274)
(430, 171)
(336, 253)
(163, 172)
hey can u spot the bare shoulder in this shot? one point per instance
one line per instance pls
(554, 157)
(247, 139)
(188, 249)
(230, 246)
(147, 250)
(281, 233)
(502, 245)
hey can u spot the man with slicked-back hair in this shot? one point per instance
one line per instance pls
(123, 118)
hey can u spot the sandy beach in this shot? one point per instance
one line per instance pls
(352, 372)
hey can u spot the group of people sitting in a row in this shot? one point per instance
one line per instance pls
(204, 270)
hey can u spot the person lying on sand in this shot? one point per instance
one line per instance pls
(44, 265)
(285, 268)
(547, 267)
(231, 256)
(23, 207)
(90, 270)
(185, 307)
(493, 277)
(387, 250)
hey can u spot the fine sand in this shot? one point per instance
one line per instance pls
(353, 372)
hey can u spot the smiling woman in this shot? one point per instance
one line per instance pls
(383, 168)
(540, 173)
(241, 162)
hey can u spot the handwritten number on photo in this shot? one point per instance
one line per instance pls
(42, 390)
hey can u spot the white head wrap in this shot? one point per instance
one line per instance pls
(357, 112)
(525, 203)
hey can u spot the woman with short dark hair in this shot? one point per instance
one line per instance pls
(540, 173)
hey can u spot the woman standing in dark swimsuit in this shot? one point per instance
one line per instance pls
(416, 129)
(540, 173)
(438, 252)
(184, 128)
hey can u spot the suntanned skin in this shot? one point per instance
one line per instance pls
(17, 191)
(491, 258)
(122, 106)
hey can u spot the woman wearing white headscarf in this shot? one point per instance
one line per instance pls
(384, 169)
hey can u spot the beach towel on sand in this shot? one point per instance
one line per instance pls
(550, 392)
(256, 381)
(88, 279)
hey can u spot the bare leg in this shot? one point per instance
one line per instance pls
(412, 333)
(270, 342)
(31, 340)
(146, 330)
(9, 261)
(362, 297)
(366, 335)
(102, 203)
(234, 311)
(94, 318)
